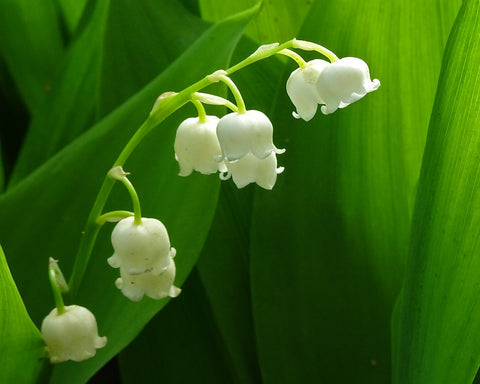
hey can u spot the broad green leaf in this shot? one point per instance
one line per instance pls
(142, 38)
(223, 268)
(278, 20)
(72, 104)
(123, 47)
(21, 346)
(72, 11)
(182, 335)
(329, 242)
(439, 317)
(62, 191)
(31, 44)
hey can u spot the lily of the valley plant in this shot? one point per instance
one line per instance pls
(238, 145)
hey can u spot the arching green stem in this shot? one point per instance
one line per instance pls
(236, 93)
(57, 294)
(202, 115)
(113, 216)
(295, 56)
(137, 212)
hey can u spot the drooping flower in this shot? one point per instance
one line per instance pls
(248, 132)
(250, 169)
(302, 90)
(344, 82)
(141, 248)
(196, 146)
(155, 286)
(72, 335)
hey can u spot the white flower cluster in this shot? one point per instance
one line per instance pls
(335, 85)
(239, 145)
(145, 258)
(71, 335)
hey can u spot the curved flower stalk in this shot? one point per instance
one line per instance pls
(141, 248)
(302, 89)
(343, 82)
(154, 286)
(71, 335)
(196, 146)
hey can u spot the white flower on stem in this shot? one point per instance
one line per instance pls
(72, 335)
(141, 248)
(155, 286)
(248, 132)
(343, 82)
(196, 146)
(250, 169)
(302, 90)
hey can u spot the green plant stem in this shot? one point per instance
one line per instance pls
(113, 216)
(236, 93)
(202, 115)
(295, 56)
(57, 295)
(165, 108)
(137, 212)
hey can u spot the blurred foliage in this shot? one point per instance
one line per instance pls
(299, 284)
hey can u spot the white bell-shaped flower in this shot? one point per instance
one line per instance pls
(242, 133)
(141, 248)
(72, 335)
(344, 82)
(197, 147)
(155, 286)
(251, 169)
(302, 90)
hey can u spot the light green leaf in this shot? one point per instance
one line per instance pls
(31, 45)
(62, 190)
(278, 20)
(439, 317)
(329, 242)
(21, 346)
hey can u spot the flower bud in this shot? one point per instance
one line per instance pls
(250, 169)
(344, 82)
(196, 146)
(242, 133)
(302, 90)
(155, 286)
(141, 248)
(72, 335)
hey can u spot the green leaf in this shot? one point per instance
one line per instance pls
(22, 346)
(62, 190)
(182, 335)
(71, 107)
(141, 40)
(223, 268)
(439, 317)
(123, 46)
(72, 11)
(329, 242)
(278, 20)
(31, 45)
